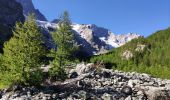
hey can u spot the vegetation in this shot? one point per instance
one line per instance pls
(21, 58)
(22, 55)
(152, 59)
(64, 54)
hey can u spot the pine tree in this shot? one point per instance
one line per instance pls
(22, 53)
(64, 40)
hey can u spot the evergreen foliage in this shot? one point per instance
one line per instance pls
(21, 59)
(64, 40)
(154, 59)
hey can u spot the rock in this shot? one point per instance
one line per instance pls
(82, 68)
(73, 75)
(16, 87)
(167, 86)
(83, 95)
(28, 8)
(106, 74)
(129, 98)
(108, 83)
(140, 47)
(156, 94)
(1, 93)
(107, 96)
(127, 55)
(141, 95)
(127, 90)
(120, 84)
(132, 83)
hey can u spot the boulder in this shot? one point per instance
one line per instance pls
(107, 96)
(82, 68)
(132, 83)
(156, 94)
(127, 90)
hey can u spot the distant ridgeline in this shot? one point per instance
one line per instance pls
(150, 55)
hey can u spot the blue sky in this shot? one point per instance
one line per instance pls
(120, 16)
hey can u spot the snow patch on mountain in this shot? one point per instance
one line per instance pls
(93, 39)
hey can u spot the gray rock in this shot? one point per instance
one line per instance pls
(107, 96)
(156, 94)
(129, 98)
(167, 86)
(82, 68)
(132, 83)
(127, 55)
(83, 95)
(127, 90)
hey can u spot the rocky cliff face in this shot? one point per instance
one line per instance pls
(28, 8)
(10, 12)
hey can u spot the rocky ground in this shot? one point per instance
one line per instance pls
(90, 83)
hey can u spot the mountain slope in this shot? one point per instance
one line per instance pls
(150, 55)
(92, 39)
(28, 8)
(10, 12)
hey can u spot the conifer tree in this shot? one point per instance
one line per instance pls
(64, 40)
(22, 53)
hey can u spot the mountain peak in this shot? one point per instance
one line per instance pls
(92, 38)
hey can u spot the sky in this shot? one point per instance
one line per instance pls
(119, 16)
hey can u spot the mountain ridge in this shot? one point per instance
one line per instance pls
(93, 39)
(28, 8)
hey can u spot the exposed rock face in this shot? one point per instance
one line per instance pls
(10, 12)
(127, 55)
(140, 47)
(28, 8)
(92, 85)
(92, 39)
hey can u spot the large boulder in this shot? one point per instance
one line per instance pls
(84, 68)
(156, 94)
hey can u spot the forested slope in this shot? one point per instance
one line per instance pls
(150, 55)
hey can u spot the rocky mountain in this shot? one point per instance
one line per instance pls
(91, 38)
(28, 8)
(10, 12)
